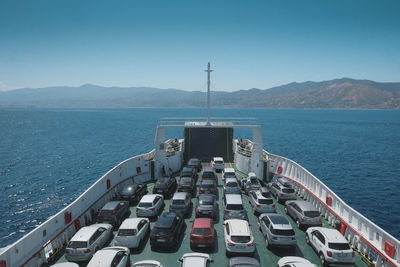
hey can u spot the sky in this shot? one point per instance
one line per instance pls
(167, 44)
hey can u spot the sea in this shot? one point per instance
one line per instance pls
(50, 156)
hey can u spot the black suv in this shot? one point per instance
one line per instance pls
(195, 163)
(113, 212)
(189, 172)
(165, 186)
(167, 230)
(133, 192)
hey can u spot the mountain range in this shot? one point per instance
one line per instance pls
(342, 93)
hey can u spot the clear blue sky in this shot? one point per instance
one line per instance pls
(167, 44)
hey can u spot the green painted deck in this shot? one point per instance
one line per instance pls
(266, 257)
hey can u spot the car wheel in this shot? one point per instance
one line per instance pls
(267, 244)
(307, 239)
(322, 260)
(228, 254)
(286, 211)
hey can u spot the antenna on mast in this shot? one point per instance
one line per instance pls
(208, 70)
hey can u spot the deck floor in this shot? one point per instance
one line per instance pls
(266, 257)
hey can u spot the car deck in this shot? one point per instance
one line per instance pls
(169, 257)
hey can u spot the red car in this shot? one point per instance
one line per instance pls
(202, 234)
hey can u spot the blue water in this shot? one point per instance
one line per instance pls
(49, 156)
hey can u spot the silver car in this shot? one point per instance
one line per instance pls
(181, 203)
(87, 241)
(150, 205)
(233, 207)
(252, 183)
(111, 257)
(304, 213)
(277, 230)
(260, 203)
(282, 192)
(243, 261)
(231, 186)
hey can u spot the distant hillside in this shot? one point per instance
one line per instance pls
(336, 94)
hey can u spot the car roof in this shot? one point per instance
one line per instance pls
(195, 259)
(231, 179)
(103, 257)
(251, 174)
(238, 261)
(208, 181)
(238, 227)
(233, 199)
(180, 195)
(208, 169)
(111, 205)
(218, 159)
(260, 196)
(149, 197)
(85, 233)
(131, 223)
(332, 235)
(202, 223)
(305, 205)
(194, 159)
(229, 170)
(207, 197)
(165, 220)
(279, 221)
(150, 263)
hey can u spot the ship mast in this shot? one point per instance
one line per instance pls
(208, 70)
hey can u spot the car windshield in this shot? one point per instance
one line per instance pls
(178, 202)
(208, 174)
(240, 239)
(339, 246)
(207, 185)
(234, 207)
(126, 232)
(288, 190)
(205, 202)
(254, 181)
(186, 181)
(265, 201)
(77, 244)
(201, 231)
(287, 232)
(231, 184)
(145, 204)
(311, 214)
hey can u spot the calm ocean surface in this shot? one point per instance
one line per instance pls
(50, 156)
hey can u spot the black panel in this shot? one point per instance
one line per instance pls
(205, 143)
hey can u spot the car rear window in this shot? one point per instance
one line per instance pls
(207, 185)
(186, 181)
(231, 184)
(229, 175)
(206, 202)
(240, 239)
(208, 174)
(77, 244)
(145, 204)
(178, 202)
(234, 207)
(201, 231)
(265, 201)
(219, 162)
(126, 232)
(105, 213)
(160, 185)
(339, 246)
(311, 214)
(287, 232)
(288, 190)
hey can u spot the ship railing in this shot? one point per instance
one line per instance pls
(43, 244)
(244, 147)
(229, 121)
(172, 147)
(374, 244)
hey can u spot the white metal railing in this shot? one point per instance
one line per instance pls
(42, 243)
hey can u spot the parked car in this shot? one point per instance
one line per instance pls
(65, 264)
(208, 173)
(189, 172)
(202, 234)
(87, 241)
(167, 230)
(292, 261)
(150, 205)
(113, 212)
(147, 263)
(277, 230)
(195, 259)
(131, 232)
(260, 203)
(206, 206)
(330, 245)
(217, 163)
(282, 193)
(231, 186)
(238, 238)
(252, 183)
(208, 186)
(228, 173)
(233, 207)
(133, 192)
(187, 184)
(181, 203)
(196, 163)
(304, 213)
(285, 182)
(243, 262)
(165, 186)
(111, 257)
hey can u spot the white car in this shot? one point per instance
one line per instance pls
(131, 232)
(292, 261)
(65, 264)
(195, 259)
(87, 241)
(218, 164)
(111, 257)
(330, 246)
(150, 205)
(147, 263)
(238, 237)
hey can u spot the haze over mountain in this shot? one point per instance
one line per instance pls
(342, 93)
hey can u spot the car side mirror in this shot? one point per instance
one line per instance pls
(180, 260)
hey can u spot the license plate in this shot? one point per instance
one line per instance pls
(241, 246)
(160, 240)
(159, 191)
(201, 246)
(76, 252)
